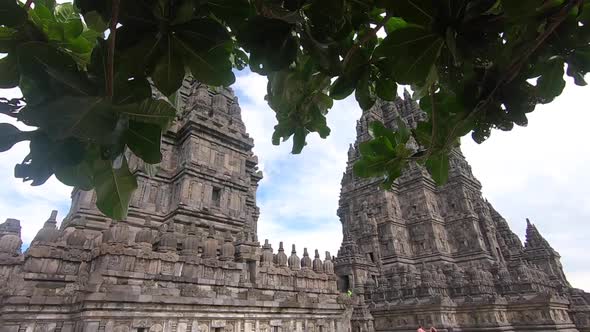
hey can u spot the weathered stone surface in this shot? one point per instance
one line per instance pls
(442, 256)
(187, 257)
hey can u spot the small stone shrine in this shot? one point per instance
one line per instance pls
(187, 257)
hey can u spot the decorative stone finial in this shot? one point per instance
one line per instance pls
(328, 264)
(294, 262)
(228, 250)
(282, 259)
(267, 256)
(318, 266)
(49, 233)
(306, 261)
(211, 244)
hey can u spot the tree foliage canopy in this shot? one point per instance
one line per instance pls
(86, 72)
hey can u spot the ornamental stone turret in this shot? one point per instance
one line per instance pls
(318, 266)
(294, 262)
(306, 260)
(328, 264)
(190, 245)
(282, 259)
(168, 240)
(228, 250)
(118, 232)
(49, 233)
(144, 237)
(211, 245)
(267, 257)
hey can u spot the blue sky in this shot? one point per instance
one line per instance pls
(538, 172)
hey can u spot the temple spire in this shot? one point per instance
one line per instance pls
(534, 239)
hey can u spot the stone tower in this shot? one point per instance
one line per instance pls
(208, 172)
(185, 259)
(418, 254)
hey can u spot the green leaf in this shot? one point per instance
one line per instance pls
(144, 140)
(155, 111)
(551, 83)
(79, 175)
(298, 140)
(11, 14)
(9, 75)
(365, 92)
(343, 86)
(410, 53)
(184, 11)
(419, 12)
(517, 9)
(438, 166)
(114, 187)
(67, 14)
(169, 71)
(45, 156)
(131, 90)
(95, 22)
(83, 117)
(270, 42)
(395, 23)
(52, 69)
(10, 135)
(386, 89)
(211, 67)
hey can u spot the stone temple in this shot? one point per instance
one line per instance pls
(187, 257)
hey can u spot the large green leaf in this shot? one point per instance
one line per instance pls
(9, 75)
(114, 187)
(412, 11)
(169, 71)
(144, 140)
(386, 89)
(270, 42)
(551, 83)
(410, 53)
(211, 67)
(155, 111)
(11, 14)
(9, 135)
(438, 166)
(83, 117)
(365, 91)
(45, 156)
(54, 70)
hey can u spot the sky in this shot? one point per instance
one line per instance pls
(538, 172)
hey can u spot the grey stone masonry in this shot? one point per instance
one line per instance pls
(418, 254)
(186, 258)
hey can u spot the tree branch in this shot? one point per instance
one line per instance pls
(111, 50)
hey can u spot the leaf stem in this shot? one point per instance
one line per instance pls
(111, 50)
